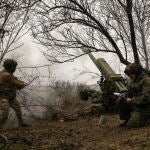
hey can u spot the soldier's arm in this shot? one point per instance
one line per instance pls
(18, 79)
(7, 77)
(18, 83)
(144, 97)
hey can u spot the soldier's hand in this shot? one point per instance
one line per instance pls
(25, 84)
(129, 100)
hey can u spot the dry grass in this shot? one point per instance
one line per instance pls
(84, 134)
(65, 98)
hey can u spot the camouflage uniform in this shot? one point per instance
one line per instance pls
(137, 113)
(9, 85)
(94, 96)
(105, 98)
(90, 93)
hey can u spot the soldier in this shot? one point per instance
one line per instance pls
(95, 97)
(9, 84)
(135, 110)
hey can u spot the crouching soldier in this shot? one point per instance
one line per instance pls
(135, 110)
(9, 85)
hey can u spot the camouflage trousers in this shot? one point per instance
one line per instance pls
(5, 104)
(136, 118)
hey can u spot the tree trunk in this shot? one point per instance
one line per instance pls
(132, 31)
(144, 48)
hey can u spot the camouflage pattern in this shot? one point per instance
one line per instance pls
(96, 107)
(4, 110)
(15, 105)
(105, 99)
(138, 111)
(86, 94)
(9, 85)
(5, 104)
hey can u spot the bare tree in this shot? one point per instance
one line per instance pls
(14, 14)
(64, 26)
(142, 10)
(117, 21)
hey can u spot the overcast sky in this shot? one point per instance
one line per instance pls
(32, 56)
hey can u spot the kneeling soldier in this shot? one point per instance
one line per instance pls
(135, 110)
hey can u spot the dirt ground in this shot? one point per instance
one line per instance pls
(83, 134)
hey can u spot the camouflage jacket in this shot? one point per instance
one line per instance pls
(9, 84)
(139, 90)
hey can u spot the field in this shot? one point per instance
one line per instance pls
(82, 134)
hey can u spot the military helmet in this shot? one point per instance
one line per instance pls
(133, 68)
(84, 95)
(9, 63)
